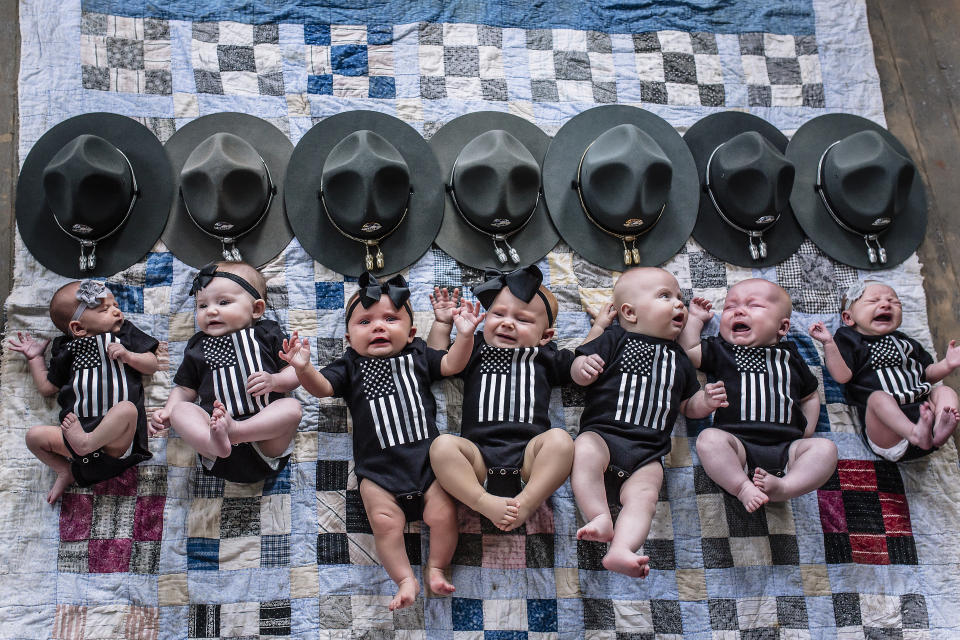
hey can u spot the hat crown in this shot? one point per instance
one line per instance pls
(751, 180)
(88, 186)
(225, 185)
(366, 185)
(867, 181)
(496, 181)
(625, 179)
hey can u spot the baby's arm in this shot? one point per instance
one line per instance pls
(586, 368)
(601, 320)
(706, 401)
(297, 353)
(700, 314)
(466, 317)
(146, 362)
(810, 406)
(33, 351)
(940, 370)
(443, 303)
(836, 365)
(160, 418)
(262, 383)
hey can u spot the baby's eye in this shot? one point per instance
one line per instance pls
(364, 321)
(391, 318)
(202, 306)
(224, 302)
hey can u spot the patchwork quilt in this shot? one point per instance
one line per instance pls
(164, 551)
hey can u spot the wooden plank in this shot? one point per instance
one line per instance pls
(919, 112)
(9, 68)
(942, 20)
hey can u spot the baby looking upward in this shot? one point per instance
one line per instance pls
(888, 376)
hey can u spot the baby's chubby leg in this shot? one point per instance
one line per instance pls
(944, 400)
(590, 459)
(886, 424)
(638, 495)
(440, 514)
(114, 433)
(46, 442)
(195, 426)
(547, 462)
(387, 521)
(723, 456)
(811, 462)
(460, 470)
(272, 428)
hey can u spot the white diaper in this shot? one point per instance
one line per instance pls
(893, 453)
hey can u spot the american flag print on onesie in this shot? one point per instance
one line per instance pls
(391, 389)
(232, 359)
(507, 384)
(98, 382)
(900, 375)
(647, 374)
(764, 384)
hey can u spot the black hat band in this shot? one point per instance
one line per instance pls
(875, 251)
(88, 262)
(371, 259)
(758, 247)
(230, 251)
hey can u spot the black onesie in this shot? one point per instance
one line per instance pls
(394, 418)
(506, 397)
(90, 384)
(764, 387)
(633, 404)
(894, 363)
(217, 368)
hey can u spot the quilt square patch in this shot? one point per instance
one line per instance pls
(129, 55)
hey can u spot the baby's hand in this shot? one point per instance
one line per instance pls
(701, 309)
(444, 303)
(953, 355)
(159, 420)
(261, 383)
(116, 351)
(296, 351)
(467, 317)
(604, 317)
(586, 369)
(29, 347)
(818, 331)
(715, 394)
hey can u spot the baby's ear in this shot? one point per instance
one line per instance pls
(259, 307)
(347, 338)
(784, 327)
(547, 336)
(627, 312)
(76, 329)
(847, 318)
(413, 334)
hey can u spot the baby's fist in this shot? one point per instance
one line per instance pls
(716, 394)
(818, 331)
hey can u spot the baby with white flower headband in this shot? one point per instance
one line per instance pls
(95, 372)
(888, 376)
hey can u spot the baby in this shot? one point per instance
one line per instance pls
(385, 377)
(244, 425)
(95, 372)
(505, 430)
(773, 402)
(638, 380)
(889, 376)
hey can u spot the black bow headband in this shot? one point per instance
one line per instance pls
(523, 283)
(371, 289)
(209, 272)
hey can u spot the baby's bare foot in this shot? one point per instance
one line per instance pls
(437, 582)
(751, 496)
(600, 529)
(220, 424)
(64, 480)
(622, 560)
(407, 590)
(78, 438)
(945, 425)
(524, 511)
(769, 484)
(500, 511)
(922, 434)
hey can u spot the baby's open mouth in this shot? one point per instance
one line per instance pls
(379, 341)
(883, 317)
(678, 318)
(739, 327)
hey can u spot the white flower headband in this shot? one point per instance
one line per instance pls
(854, 292)
(89, 293)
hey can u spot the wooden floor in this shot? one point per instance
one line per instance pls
(918, 57)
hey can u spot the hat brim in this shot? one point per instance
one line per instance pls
(457, 238)
(314, 230)
(44, 238)
(711, 232)
(560, 166)
(901, 238)
(183, 237)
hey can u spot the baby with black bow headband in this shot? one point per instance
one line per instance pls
(385, 377)
(230, 401)
(96, 370)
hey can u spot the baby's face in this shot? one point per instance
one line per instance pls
(382, 331)
(104, 318)
(512, 323)
(223, 307)
(756, 314)
(650, 302)
(876, 313)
